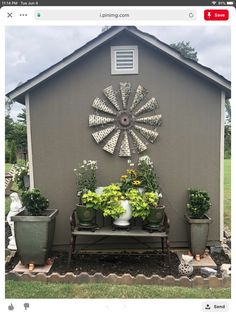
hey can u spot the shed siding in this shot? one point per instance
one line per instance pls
(186, 154)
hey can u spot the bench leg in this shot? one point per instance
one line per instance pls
(162, 245)
(71, 249)
(168, 249)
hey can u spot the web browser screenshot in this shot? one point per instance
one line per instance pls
(116, 150)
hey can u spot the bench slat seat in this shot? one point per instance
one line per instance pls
(106, 231)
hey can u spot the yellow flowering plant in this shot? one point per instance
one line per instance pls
(129, 180)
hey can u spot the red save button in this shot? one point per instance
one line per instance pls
(216, 15)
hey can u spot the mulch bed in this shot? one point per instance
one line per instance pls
(147, 263)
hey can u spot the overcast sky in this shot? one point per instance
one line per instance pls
(30, 50)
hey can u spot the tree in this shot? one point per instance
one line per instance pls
(9, 128)
(185, 50)
(12, 152)
(8, 105)
(22, 116)
(15, 137)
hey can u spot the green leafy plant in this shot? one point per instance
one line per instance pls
(91, 200)
(147, 175)
(141, 203)
(199, 203)
(110, 201)
(86, 177)
(34, 202)
(18, 176)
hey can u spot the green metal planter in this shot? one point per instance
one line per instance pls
(197, 232)
(156, 217)
(86, 216)
(34, 236)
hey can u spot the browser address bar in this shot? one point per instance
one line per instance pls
(161, 15)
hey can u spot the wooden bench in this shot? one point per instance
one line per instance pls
(136, 232)
(9, 181)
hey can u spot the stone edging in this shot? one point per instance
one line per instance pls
(126, 279)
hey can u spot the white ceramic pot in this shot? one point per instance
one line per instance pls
(123, 220)
(141, 190)
(99, 190)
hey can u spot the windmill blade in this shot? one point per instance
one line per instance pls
(110, 94)
(124, 148)
(111, 144)
(100, 135)
(149, 106)
(138, 144)
(148, 134)
(138, 97)
(153, 120)
(99, 104)
(95, 120)
(125, 89)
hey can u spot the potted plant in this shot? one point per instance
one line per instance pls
(147, 175)
(114, 204)
(86, 182)
(146, 207)
(86, 213)
(34, 228)
(197, 221)
(150, 183)
(156, 215)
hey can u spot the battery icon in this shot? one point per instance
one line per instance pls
(230, 3)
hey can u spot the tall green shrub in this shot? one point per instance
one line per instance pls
(12, 153)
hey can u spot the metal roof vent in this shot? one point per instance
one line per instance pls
(124, 60)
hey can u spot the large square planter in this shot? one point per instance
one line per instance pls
(34, 236)
(197, 232)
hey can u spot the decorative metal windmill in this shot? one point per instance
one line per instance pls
(126, 127)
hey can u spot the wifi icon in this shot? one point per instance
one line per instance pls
(213, 2)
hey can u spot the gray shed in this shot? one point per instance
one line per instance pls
(188, 152)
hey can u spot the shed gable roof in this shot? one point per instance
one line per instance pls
(19, 92)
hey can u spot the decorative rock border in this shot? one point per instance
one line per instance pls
(9, 256)
(126, 279)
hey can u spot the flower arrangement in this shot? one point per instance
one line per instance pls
(34, 202)
(129, 180)
(18, 176)
(147, 175)
(199, 203)
(86, 177)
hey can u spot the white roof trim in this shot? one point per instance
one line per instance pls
(25, 87)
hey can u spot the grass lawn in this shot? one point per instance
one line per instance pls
(8, 167)
(16, 289)
(227, 193)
